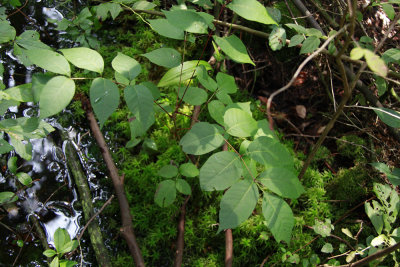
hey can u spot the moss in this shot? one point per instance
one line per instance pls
(351, 184)
(351, 146)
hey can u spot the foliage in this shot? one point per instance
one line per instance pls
(63, 244)
(256, 171)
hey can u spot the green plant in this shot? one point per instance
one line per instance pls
(62, 244)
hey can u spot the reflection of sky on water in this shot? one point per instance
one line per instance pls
(70, 223)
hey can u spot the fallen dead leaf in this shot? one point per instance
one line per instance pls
(301, 111)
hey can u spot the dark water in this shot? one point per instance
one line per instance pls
(52, 198)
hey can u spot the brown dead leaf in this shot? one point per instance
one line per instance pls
(301, 111)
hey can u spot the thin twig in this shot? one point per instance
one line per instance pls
(94, 216)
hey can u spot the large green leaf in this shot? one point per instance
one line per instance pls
(188, 20)
(164, 28)
(201, 139)
(237, 204)
(31, 40)
(49, 60)
(251, 10)
(166, 57)
(188, 170)
(23, 149)
(104, 97)
(269, 151)
(166, 193)
(391, 55)
(205, 79)
(7, 32)
(264, 130)
(39, 81)
(84, 58)
(282, 182)
(375, 63)
(126, 66)
(5, 147)
(193, 95)
(310, 45)
(21, 93)
(279, 217)
(25, 128)
(277, 38)
(168, 171)
(183, 187)
(217, 110)
(388, 116)
(140, 102)
(24, 178)
(239, 123)
(226, 83)
(182, 73)
(220, 171)
(61, 237)
(375, 214)
(6, 197)
(56, 95)
(234, 48)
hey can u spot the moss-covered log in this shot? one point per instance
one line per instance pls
(96, 239)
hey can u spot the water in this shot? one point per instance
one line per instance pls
(52, 198)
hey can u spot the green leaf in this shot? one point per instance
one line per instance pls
(168, 171)
(389, 10)
(7, 32)
(24, 178)
(220, 171)
(104, 98)
(375, 215)
(357, 53)
(375, 63)
(140, 102)
(164, 28)
(296, 40)
(12, 164)
(21, 93)
(23, 149)
(39, 81)
(382, 167)
(282, 182)
(251, 10)
(188, 170)
(7, 197)
(237, 204)
(277, 38)
(56, 95)
(49, 253)
(84, 58)
(193, 95)
(201, 139)
(126, 66)
(153, 89)
(226, 83)
(182, 73)
(183, 187)
(187, 20)
(5, 147)
(310, 45)
(103, 9)
(314, 32)
(323, 228)
(394, 177)
(234, 48)
(244, 106)
(166, 57)
(327, 248)
(55, 262)
(69, 246)
(264, 130)
(270, 152)
(205, 79)
(217, 110)
(381, 85)
(239, 123)
(388, 116)
(61, 237)
(144, 5)
(166, 193)
(298, 28)
(279, 217)
(49, 60)
(30, 40)
(391, 55)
